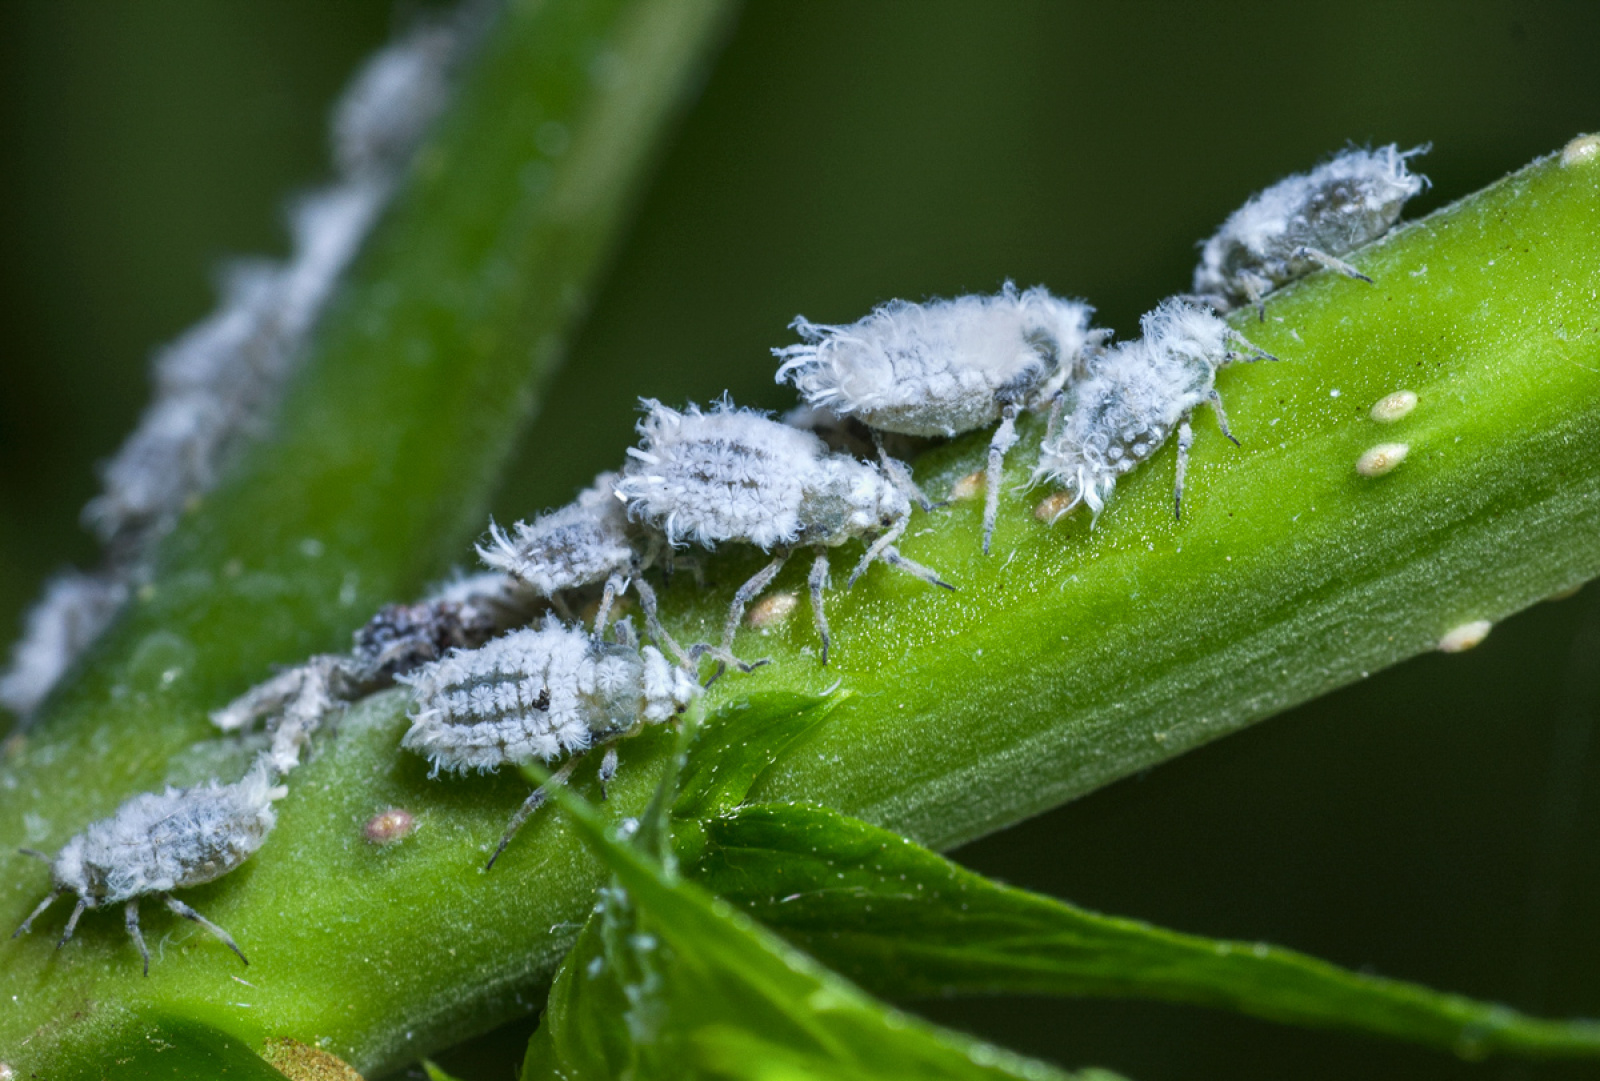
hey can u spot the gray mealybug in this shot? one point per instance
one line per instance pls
(1307, 221)
(735, 475)
(588, 542)
(158, 842)
(1132, 397)
(538, 694)
(944, 367)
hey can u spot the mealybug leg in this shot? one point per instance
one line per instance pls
(190, 914)
(1222, 418)
(1254, 287)
(653, 627)
(875, 552)
(747, 593)
(559, 603)
(1324, 259)
(1185, 441)
(27, 924)
(534, 801)
(911, 566)
(608, 596)
(1005, 437)
(608, 769)
(130, 917)
(72, 921)
(818, 581)
(899, 475)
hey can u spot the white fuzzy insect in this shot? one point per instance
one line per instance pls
(1304, 222)
(588, 542)
(945, 367)
(1133, 397)
(158, 842)
(736, 475)
(539, 694)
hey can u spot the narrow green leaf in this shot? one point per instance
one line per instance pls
(907, 923)
(433, 1071)
(740, 742)
(666, 982)
(162, 1048)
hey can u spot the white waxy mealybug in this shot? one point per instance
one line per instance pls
(588, 542)
(1132, 398)
(158, 842)
(1304, 222)
(735, 475)
(536, 695)
(944, 367)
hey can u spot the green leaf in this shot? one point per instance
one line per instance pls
(166, 1048)
(906, 923)
(733, 749)
(434, 1073)
(667, 982)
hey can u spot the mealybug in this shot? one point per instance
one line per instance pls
(735, 475)
(944, 367)
(538, 694)
(588, 542)
(1304, 222)
(1133, 397)
(158, 842)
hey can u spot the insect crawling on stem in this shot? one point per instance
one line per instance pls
(157, 842)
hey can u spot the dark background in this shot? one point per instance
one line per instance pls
(1438, 822)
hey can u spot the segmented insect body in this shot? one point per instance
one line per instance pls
(944, 367)
(539, 694)
(1304, 222)
(588, 542)
(403, 636)
(1133, 397)
(158, 842)
(735, 475)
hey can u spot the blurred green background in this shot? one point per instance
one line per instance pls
(1439, 822)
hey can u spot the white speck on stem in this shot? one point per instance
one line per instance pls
(1582, 149)
(1381, 459)
(1462, 638)
(1392, 407)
